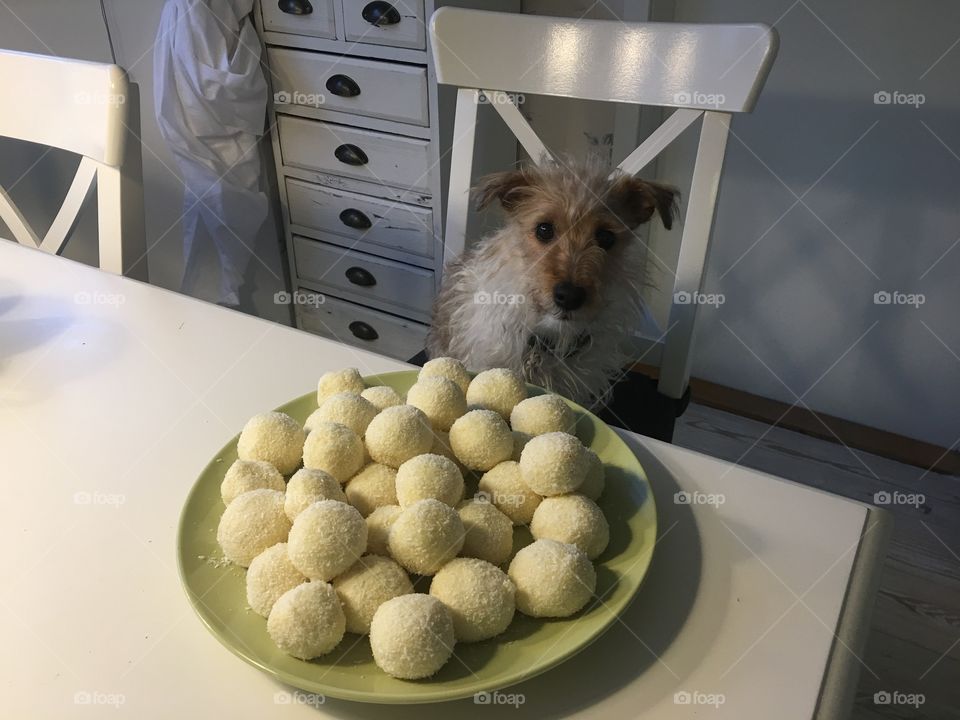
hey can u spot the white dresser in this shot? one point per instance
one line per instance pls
(361, 140)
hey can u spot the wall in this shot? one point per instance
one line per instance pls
(74, 28)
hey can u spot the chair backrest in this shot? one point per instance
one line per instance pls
(92, 110)
(705, 71)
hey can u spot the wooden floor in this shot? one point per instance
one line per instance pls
(914, 646)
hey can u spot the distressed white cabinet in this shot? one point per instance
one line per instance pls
(361, 137)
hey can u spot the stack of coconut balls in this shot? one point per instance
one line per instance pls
(381, 495)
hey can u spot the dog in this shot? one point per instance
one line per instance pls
(554, 292)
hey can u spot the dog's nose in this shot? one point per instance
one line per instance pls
(568, 296)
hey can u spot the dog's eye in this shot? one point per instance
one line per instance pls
(544, 231)
(605, 238)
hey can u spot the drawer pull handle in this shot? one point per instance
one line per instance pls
(351, 155)
(295, 7)
(361, 277)
(380, 13)
(355, 219)
(363, 331)
(343, 86)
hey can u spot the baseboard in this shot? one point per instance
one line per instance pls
(825, 427)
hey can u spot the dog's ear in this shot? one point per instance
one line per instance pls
(635, 201)
(510, 188)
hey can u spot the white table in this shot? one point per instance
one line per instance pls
(114, 395)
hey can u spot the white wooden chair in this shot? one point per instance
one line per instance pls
(92, 110)
(705, 71)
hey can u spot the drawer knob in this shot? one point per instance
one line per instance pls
(353, 218)
(343, 86)
(380, 13)
(351, 155)
(361, 277)
(295, 7)
(363, 331)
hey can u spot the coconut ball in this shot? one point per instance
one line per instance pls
(573, 519)
(498, 389)
(339, 381)
(503, 486)
(253, 522)
(481, 439)
(326, 539)
(594, 483)
(449, 368)
(425, 536)
(441, 400)
(429, 476)
(520, 441)
(382, 396)
(246, 475)
(542, 414)
(335, 449)
(307, 621)
(411, 636)
(379, 523)
(273, 437)
(488, 533)
(398, 434)
(345, 408)
(372, 487)
(306, 487)
(270, 575)
(366, 586)
(553, 579)
(479, 596)
(554, 463)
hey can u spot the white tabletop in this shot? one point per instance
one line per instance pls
(115, 394)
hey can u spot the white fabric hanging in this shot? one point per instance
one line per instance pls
(210, 97)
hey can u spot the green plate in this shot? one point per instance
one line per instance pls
(528, 647)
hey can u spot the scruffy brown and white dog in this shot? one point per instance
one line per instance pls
(553, 293)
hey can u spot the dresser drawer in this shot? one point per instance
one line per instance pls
(400, 23)
(360, 218)
(357, 325)
(331, 268)
(315, 19)
(391, 91)
(363, 154)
